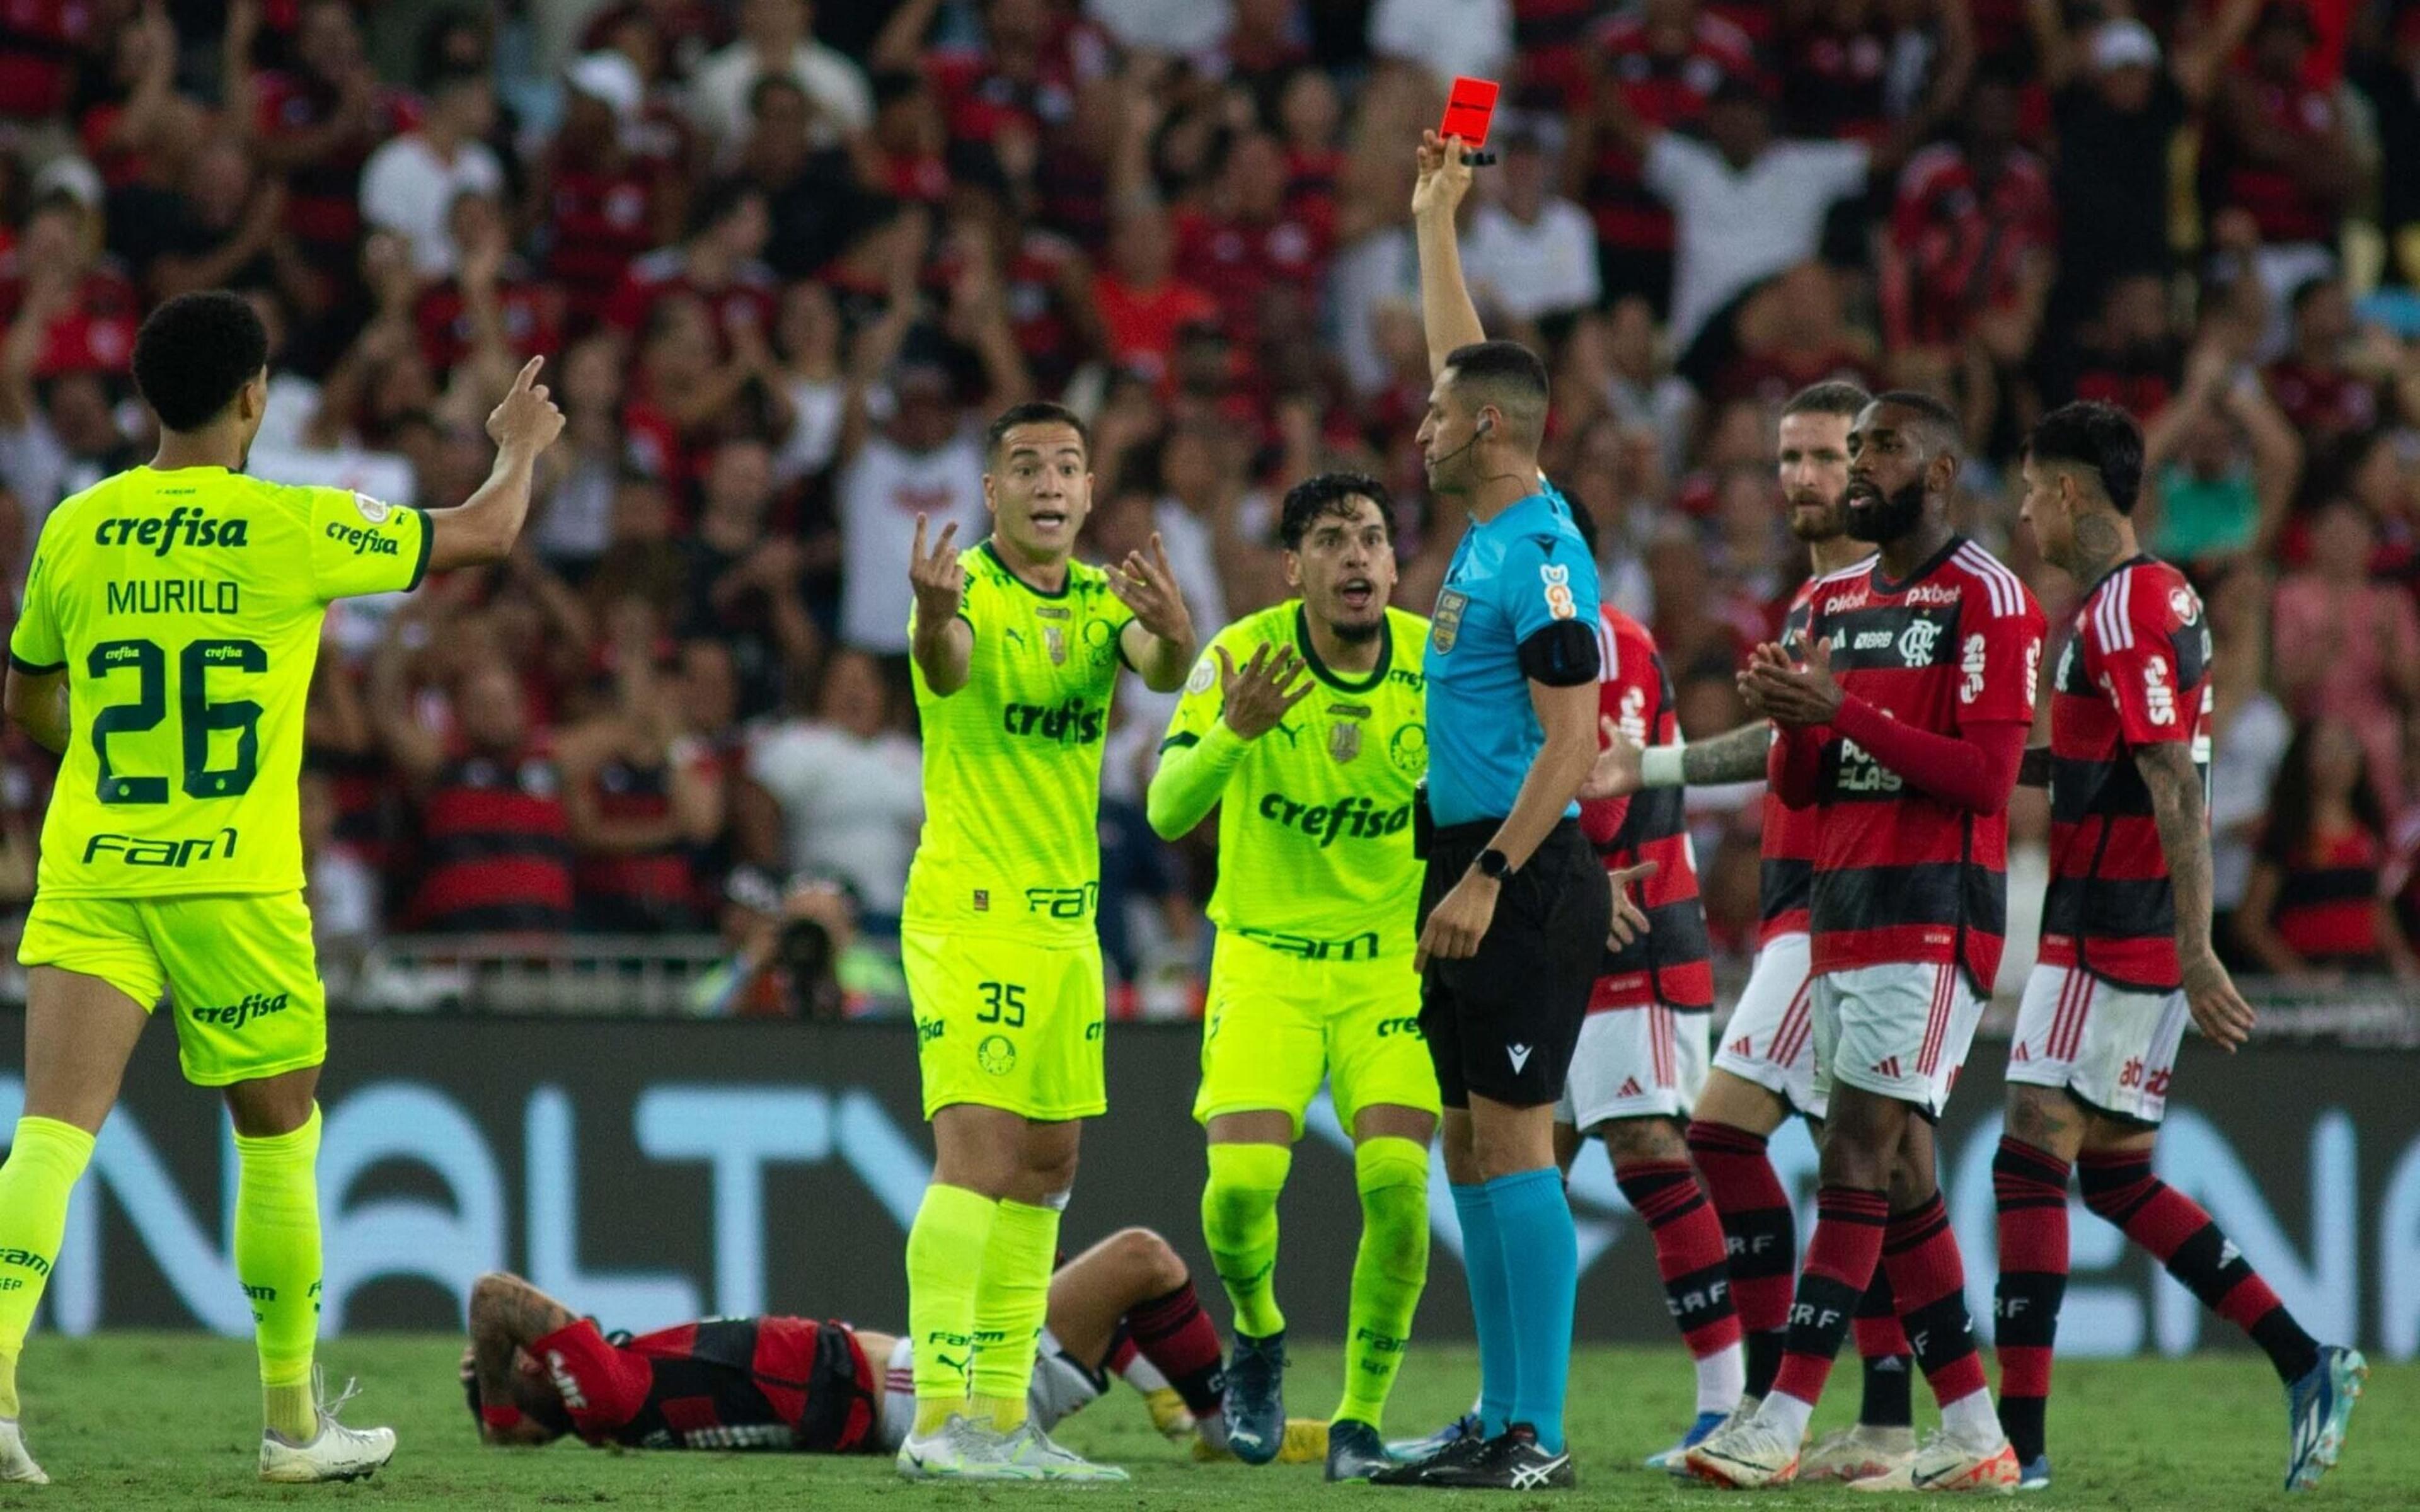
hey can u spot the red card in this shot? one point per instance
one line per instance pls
(1467, 111)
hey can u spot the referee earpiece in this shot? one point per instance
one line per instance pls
(1486, 423)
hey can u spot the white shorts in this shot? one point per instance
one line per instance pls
(1061, 1389)
(1899, 1030)
(1636, 1063)
(1770, 1040)
(2114, 1049)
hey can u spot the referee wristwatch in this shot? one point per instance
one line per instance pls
(1492, 864)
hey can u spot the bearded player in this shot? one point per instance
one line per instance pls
(1302, 726)
(2126, 954)
(537, 1371)
(1765, 1069)
(1015, 650)
(1909, 755)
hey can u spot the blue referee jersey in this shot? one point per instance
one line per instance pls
(1515, 581)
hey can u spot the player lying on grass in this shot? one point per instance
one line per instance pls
(537, 1371)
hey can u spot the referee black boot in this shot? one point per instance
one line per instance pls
(1255, 1402)
(1513, 1462)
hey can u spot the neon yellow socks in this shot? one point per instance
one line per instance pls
(277, 1261)
(44, 1162)
(952, 1225)
(1239, 1222)
(1388, 1270)
(1010, 1299)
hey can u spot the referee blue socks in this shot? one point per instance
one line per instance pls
(1491, 1306)
(45, 1159)
(1541, 1271)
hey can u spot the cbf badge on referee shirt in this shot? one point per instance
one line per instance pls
(1447, 622)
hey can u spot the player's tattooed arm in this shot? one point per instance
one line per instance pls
(38, 704)
(509, 1315)
(1735, 756)
(2033, 768)
(2175, 783)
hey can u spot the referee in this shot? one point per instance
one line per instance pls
(1514, 908)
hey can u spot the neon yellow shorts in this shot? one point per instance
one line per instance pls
(239, 967)
(1276, 1025)
(1006, 1023)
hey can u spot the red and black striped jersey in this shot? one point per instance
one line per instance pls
(1900, 875)
(722, 1383)
(1787, 878)
(2135, 673)
(2328, 904)
(1668, 89)
(495, 854)
(1671, 964)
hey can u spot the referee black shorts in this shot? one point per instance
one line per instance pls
(1503, 1023)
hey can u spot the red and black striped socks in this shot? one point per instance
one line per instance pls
(2120, 1186)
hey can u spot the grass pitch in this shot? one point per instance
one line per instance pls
(139, 1421)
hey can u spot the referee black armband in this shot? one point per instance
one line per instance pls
(1561, 655)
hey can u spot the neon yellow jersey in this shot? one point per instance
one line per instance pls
(1011, 840)
(1315, 823)
(185, 609)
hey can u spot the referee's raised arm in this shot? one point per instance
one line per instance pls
(1514, 905)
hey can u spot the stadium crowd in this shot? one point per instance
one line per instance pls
(785, 260)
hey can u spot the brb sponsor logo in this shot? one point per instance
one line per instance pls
(1072, 723)
(131, 851)
(179, 526)
(236, 1015)
(364, 543)
(1352, 818)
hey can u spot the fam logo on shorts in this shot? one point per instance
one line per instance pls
(996, 1054)
(1445, 625)
(236, 1015)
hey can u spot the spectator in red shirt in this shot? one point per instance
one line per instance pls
(906, 149)
(1241, 238)
(41, 42)
(78, 307)
(2279, 150)
(318, 126)
(718, 265)
(224, 226)
(1027, 68)
(2312, 912)
(2312, 384)
(1971, 234)
(1143, 304)
(599, 205)
(1663, 64)
(130, 118)
(1845, 66)
(491, 313)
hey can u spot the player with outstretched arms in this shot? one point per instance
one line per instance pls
(171, 621)
(537, 1371)
(1908, 754)
(1303, 725)
(1765, 1069)
(2126, 956)
(1015, 648)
